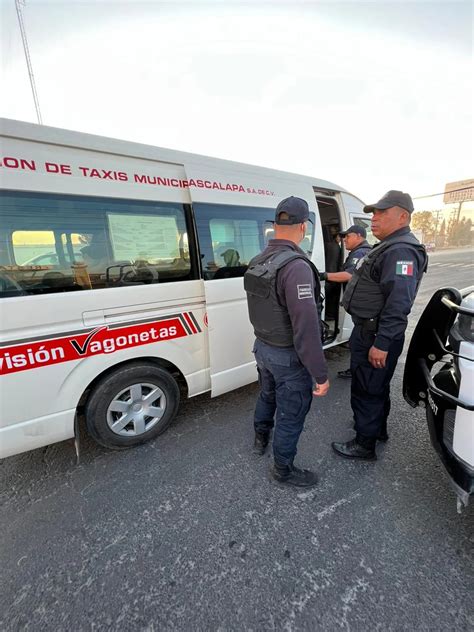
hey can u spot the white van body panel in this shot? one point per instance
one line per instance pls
(36, 433)
(80, 162)
(230, 335)
(213, 350)
(352, 206)
(463, 438)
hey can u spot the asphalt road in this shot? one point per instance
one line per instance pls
(190, 533)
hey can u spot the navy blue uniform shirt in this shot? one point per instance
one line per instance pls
(398, 271)
(354, 256)
(295, 290)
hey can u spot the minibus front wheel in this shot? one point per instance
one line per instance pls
(131, 405)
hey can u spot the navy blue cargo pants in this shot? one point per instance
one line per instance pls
(370, 387)
(286, 393)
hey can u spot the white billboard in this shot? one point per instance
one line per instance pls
(462, 191)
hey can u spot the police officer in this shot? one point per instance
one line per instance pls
(282, 288)
(355, 241)
(379, 297)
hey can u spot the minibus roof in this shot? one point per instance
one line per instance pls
(67, 138)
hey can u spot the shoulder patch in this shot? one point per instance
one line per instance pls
(305, 291)
(404, 268)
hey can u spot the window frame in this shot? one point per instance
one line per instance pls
(61, 224)
(233, 210)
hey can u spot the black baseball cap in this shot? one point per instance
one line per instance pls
(392, 198)
(296, 208)
(358, 230)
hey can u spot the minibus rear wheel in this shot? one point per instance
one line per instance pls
(131, 405)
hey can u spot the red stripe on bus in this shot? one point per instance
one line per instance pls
(102, 340)
(190, 322)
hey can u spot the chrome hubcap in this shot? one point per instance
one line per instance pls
(136, 409)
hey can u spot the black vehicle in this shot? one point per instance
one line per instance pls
(439, 375)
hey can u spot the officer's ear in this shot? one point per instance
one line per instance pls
(404, 215)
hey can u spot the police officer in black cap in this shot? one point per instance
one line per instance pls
(282, 288)
(379, 297)
(355, 241)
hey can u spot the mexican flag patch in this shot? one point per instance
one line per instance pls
(405, 268)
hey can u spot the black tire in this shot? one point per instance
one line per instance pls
(120, 390)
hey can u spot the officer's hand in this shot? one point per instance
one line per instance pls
(320, 390)
(377, 357)
(323, 276)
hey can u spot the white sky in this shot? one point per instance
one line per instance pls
(370, 95)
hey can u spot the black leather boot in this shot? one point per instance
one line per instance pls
(261, 442)
(354, 450)
(291, 475)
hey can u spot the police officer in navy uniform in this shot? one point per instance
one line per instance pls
(379, 298)
(355, 241)
(283, 288)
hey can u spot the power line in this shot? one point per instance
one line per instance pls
(443, 193)
(28, 58)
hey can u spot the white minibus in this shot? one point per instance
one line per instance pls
(121, 285)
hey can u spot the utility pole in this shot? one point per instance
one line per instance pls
(436, 236)
(437, 219)
(18, 4)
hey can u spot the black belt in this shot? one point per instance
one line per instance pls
(368, 324)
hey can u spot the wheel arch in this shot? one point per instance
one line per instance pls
(158, 362)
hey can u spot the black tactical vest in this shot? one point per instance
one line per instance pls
(363, 297)
(271, 321)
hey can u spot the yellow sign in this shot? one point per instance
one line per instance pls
(462, 191)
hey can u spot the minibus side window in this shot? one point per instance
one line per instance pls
(234, 242)
(55, 243)
(229, 237)
(154, 246)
